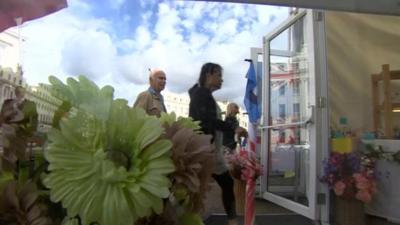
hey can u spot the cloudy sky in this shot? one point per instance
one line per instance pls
(116, 41)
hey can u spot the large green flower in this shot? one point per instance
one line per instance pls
(110, 171)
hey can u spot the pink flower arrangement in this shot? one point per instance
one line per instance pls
(244, 165)
(350, 176)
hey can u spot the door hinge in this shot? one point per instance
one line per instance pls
(321, 102)
(321, 199)
(318, 16)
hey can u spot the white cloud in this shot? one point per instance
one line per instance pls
(46, 38)
(142, 37)
(188, 24)
(193, 11)
(176, 36)
(126, 18)
(197, 41)
(79, 6)
(227, 29)
(147, 3)
(116, 4)
(167, 24)
(90, 53)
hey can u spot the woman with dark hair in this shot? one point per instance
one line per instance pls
(203, 108)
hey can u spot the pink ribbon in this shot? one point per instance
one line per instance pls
(250, 172)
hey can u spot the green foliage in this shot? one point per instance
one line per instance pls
(186, 122)
(70, 221)
(377, 152)
(5, 178)
(191, 219)
(84, 94)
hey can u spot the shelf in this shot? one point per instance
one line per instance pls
(386, 108)
(394, 75)
(395, 106)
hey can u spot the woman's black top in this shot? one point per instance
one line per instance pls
(229, 135)
(203, 108)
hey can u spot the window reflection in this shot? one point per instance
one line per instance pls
(289, 96)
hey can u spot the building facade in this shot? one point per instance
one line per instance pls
(46, 105)
(10, 49)
(10, 69)
(11, 76)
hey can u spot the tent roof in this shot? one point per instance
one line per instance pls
(389, 7)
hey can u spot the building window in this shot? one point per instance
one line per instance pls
(296, 110)
(296, 87)
(282, 90)
(282, 136)
(282, 111)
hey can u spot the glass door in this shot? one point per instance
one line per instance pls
(290, 129)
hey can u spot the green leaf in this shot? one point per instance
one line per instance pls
(191, 219)
(85, 95)
(5, 178)
(70, 221)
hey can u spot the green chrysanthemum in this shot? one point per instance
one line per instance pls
(110, 171)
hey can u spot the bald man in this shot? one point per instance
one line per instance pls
(151, 100)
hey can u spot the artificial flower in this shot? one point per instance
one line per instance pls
(339, 188)
(363, 195)
(350, 176)
(107, 163)
(20, 205)
(244, 165)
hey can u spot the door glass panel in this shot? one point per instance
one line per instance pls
(289, 100)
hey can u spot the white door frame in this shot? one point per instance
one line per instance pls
(322, 111)
(318, 134)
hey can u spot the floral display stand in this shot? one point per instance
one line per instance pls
(386, 202)
(349, 212)
(352, 179)
(240, 195)
(245, 168)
